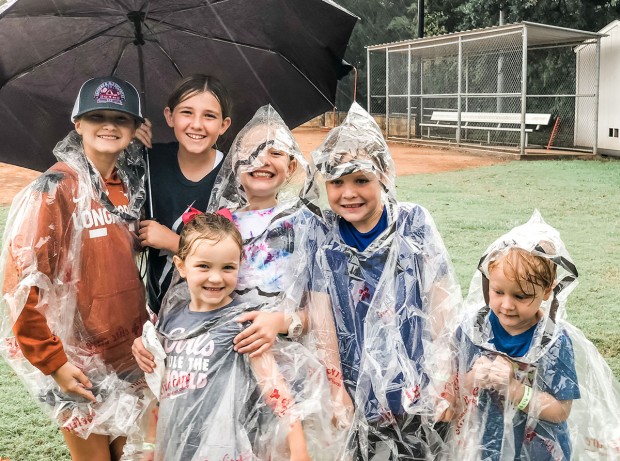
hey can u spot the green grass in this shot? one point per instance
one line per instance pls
(472, 208)
(579, 198)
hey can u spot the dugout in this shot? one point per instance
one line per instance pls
(467, 88)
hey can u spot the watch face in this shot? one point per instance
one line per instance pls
(297, 330)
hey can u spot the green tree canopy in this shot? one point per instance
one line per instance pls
(384, 21)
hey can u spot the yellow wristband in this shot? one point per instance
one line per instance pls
(525, 400)
(146, 446)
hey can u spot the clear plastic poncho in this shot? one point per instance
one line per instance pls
(560, 365)
(393, 304)
(70, 282)
(274, 276)
(269, 264)
(218, 404)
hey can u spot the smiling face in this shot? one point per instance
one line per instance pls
(263, 168)
(197, 122)
(211, 269)
(515, 303)
(264, 182)
(356, 197)
(105, 132)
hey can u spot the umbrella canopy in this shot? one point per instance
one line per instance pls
(284, 52)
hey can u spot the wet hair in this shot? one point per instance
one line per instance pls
(209, 226)
(197, 84)
(525, 268)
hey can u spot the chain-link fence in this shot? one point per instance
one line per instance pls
(468, 87)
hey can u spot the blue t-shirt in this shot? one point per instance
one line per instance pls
(361, 240)
(379, 314)
(555, 374)
(514, 346)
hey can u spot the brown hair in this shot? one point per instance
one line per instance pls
(209, 226)
(197, 84)
(525, 268)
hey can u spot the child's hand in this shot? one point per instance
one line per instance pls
(481, 371)
(144, 358)
(155, 235)
(445, 403)
(500, 374)
(72, 380)
(260, 336)
(144, 133)
(300, 455)
(343, 410)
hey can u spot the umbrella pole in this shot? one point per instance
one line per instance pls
(149, 195)
(137, 17)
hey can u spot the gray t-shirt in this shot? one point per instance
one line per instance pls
(209, 393)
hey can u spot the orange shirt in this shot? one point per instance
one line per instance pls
(88, 255)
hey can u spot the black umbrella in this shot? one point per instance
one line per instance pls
(285, 52)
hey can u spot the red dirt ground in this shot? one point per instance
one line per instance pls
(408, 160)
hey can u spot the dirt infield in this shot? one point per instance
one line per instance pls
(408, 160)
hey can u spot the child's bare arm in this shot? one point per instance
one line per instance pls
(323, 331)
(277, 395)
(442, 300)
(297, 443)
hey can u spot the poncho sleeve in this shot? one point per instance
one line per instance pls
(36, 234)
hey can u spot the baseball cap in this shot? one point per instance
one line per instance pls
(107, 93)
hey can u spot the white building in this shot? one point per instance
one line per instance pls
(608, 135)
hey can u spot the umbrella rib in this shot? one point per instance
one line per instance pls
(255, 47)
(60, 53)
(118, 59)
(174, 64)
(191, 8)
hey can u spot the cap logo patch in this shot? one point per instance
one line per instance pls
(110, 92)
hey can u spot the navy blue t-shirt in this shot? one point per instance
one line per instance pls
(172, 193)
(361, 240)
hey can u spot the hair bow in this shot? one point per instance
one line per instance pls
(225, 212)
(193, 212)
(190, 214)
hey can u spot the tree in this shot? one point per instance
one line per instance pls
(589, 15)
(372, 28)
(384, 21)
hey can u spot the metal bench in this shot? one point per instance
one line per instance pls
(487, 121)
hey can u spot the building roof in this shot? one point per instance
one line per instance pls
(537, 35)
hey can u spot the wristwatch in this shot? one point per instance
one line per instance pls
(295, 328)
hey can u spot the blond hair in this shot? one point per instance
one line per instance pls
(525, 268)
